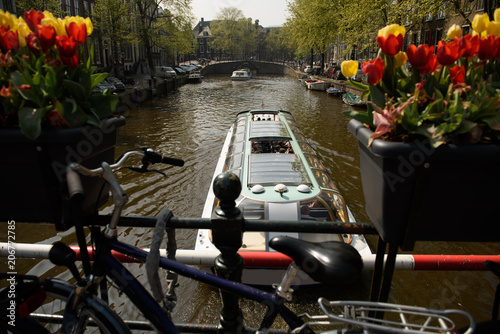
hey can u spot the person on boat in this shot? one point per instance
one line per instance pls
(305, 213)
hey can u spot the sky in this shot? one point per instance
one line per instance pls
(270, 13)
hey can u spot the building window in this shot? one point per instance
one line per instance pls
(428, 17)
(442, 12)
(97, 52)
(480, 5)
(202, 49)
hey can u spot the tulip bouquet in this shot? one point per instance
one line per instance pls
(45, 80)
(448, 96)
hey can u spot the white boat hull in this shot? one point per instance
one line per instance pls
(317, 85)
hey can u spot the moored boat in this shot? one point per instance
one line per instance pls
(314, 84)
(334, 91)
(241, 75)
(353, 100)
(194, 76)
(268, 152)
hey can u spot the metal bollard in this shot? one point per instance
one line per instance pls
(227, 235)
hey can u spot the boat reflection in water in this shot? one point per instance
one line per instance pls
(282, 179)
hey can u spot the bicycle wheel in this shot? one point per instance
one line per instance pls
(93, 314)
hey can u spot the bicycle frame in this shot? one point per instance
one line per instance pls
(106, 264)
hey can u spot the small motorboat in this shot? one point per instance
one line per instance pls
(241, 75)
(319, 85)
(334, 91)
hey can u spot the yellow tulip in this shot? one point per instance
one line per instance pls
(349, 68)
(493, 28)
(90, 27)
(496, 15)
(8, 20)
(57, 23)
(480, 22)
(394, 29)
(47, 15)
(401, 58)
(454, 31)
(22, 31)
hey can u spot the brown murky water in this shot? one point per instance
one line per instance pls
(191, 124)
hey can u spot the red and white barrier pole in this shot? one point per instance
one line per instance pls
(278, 260)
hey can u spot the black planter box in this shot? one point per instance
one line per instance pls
(32, 172)
(414, 192)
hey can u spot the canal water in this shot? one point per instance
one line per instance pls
(191, 124)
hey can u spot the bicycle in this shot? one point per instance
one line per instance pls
(335, 262)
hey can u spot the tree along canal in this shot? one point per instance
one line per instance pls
(191, 124)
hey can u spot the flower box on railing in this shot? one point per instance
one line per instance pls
(32, 171)
(416, 192)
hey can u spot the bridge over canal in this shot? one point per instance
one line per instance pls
(257, 67)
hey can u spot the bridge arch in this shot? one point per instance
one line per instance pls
(257, 67)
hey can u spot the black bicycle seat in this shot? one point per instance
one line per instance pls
(330, 262)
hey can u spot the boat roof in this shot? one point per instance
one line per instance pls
(267, 151)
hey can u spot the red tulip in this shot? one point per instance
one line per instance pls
(56, 120)
(33, 19)
(457, 74)
(448, 53)
(420, 57)
(469, 45)
(72, 61)
(430, 66)
(390, 45)
(66, 46)
(497, 40)
(375, 70)
(33, 43)
(47, 36)
(487, 48)
(78, 32)
(8, 39)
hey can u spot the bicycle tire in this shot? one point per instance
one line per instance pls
(93, 314)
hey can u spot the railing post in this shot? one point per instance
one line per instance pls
(227, 236)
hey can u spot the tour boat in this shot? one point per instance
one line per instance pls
(241, 75)
(282, 179)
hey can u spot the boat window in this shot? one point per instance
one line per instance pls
(235, 148)
(315, 210)
(299, 136)
(323, 179)
(306, 148)
(313, 161)
(337, 203)
(233, 161)
(252, 209)
(272, 168)
(271, 146)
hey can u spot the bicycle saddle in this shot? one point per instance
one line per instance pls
(331, 262)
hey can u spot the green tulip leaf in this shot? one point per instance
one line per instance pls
(73, 114)
(30, 121)
(97, 78)
(377, 96)
(76, 90)
(103, 105)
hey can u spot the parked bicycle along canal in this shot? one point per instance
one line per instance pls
(191, 124)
